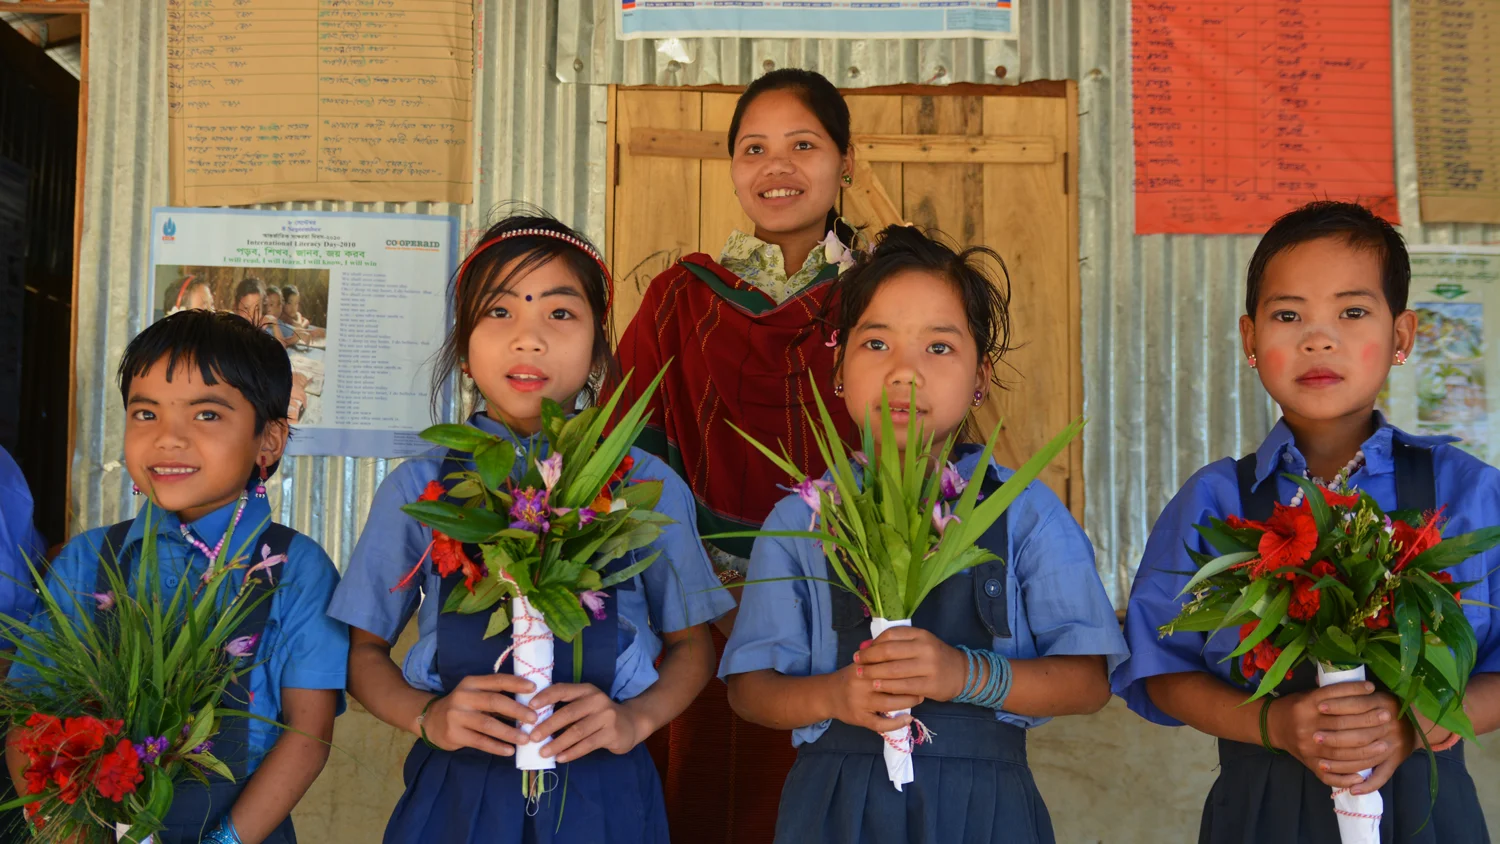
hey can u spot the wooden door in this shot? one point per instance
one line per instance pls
(985, 165)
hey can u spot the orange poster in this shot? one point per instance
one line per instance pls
(1246, 110)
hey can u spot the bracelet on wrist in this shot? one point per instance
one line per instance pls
(1265, 728)
(224, 833)
(422, 721)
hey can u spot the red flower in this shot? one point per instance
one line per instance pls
(1447, 580)
(622, 470)
(34, 815)
(1262, 656)
(1335, 499)
(449, 556)
(1237, 523)
(1382, 619)
(1306, 599)
(604, 499)
(1289, 540)
(68, 785)
(433, 492)
(119, 772)
(1415, 540)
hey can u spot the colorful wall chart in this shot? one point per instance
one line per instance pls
(1456, 104)
(817, 18)
(1451, 384)
(320, 99)
(1246, 110)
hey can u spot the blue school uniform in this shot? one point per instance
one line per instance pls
(19, 541)
(972, 781)
(299, 647)
(469, 795)
(1261, 797)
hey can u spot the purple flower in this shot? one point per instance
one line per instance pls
(551, 470)
(952, 484)
(810, 491)
(205, 747)
(942, 517)
(149, 750)
(243, 646)
(860, 458)
(106, 600)
(593, 601)
(266, 562)
(530, 511)
(585, 516)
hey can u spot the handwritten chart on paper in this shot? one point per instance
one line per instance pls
(363, 100)
(1246, 110)
(1456, 103)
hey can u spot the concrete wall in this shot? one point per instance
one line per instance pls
(1110, 778)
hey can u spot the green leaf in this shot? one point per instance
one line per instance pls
(1342, 639)
(1409, 626)
(1322, 514)
(494, 461)
(210, 762)
(465, 489)
(642, 494)
(629, 571)
(203, 727)
(499, 620)
(1270, 619)
(464, 438)
(1451, 552)
(466, 524)
(487, 592)
(554, 419)
(560, 607)
(1223, 540)
(1218, 566)
(1283, 664)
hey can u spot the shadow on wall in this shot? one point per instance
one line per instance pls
(1110, 778)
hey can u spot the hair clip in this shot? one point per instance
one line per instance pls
(833, 340)
(609, 281)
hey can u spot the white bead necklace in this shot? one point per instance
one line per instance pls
(1339, 479)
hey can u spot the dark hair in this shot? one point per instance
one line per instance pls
(288, 292)
(479, 281)
(225, 347)
(174, 299)
(985, 295)
(821, 98)
(1355, 224)
(247, 286)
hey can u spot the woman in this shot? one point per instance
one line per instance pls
(757, 309)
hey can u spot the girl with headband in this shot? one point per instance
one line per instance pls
(531, 308)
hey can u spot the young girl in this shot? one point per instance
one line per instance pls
(531, 306)
(1325, 318)
(206, 396)
(748, 350)
(918, 316)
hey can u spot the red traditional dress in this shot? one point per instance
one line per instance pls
(747, 347)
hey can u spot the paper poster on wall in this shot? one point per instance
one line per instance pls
(358, 300)
(816, 19)
(369, 101)
(1455, 93)
(1244, 111)
(1451, 383)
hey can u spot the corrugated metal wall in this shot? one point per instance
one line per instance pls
(1163, 380)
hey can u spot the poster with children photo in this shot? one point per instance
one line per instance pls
(290, 304)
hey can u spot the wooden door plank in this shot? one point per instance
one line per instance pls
(1026, 221)
(656, 208)
(1075, 498)
(875, 147)
(948, 197)
(721, 212)
(611, 173)
(880, 113)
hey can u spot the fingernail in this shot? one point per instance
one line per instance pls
(855, 657)
(1380, 748)
(1384, 717)
(865, 644)
(1323, 765)
(1322, 707)
(859, 671)
(1369, 687)
(877, 685)
(1318, 737)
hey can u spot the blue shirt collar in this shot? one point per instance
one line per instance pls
(208, 529)
(483, 422)
(1279, 453)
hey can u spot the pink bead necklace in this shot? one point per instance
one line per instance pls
(213, 555)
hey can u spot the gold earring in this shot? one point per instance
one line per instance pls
(848, 179)
(978, 398)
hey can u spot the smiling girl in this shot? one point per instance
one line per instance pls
(531, 322)
(1325, 319)
(748, 350)
(925, 326)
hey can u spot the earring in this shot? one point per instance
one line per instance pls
(1251, 360)
(838, 389)
(135, 489)
(848, 179)
(1400, 358)
(260, 488)
(978, 398)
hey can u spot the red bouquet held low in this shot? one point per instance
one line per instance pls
(75, 754)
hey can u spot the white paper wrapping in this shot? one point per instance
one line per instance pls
(1358, 815)
(898, 745)
(123, 829)
(531, 642)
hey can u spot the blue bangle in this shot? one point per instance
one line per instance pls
(224, 834)
(971, 680)
(992, 693)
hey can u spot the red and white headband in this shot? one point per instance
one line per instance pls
(609, 281)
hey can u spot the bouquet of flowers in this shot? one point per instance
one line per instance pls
(127, 703)
(896, 527)
(1337, 580)
(547, 528)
